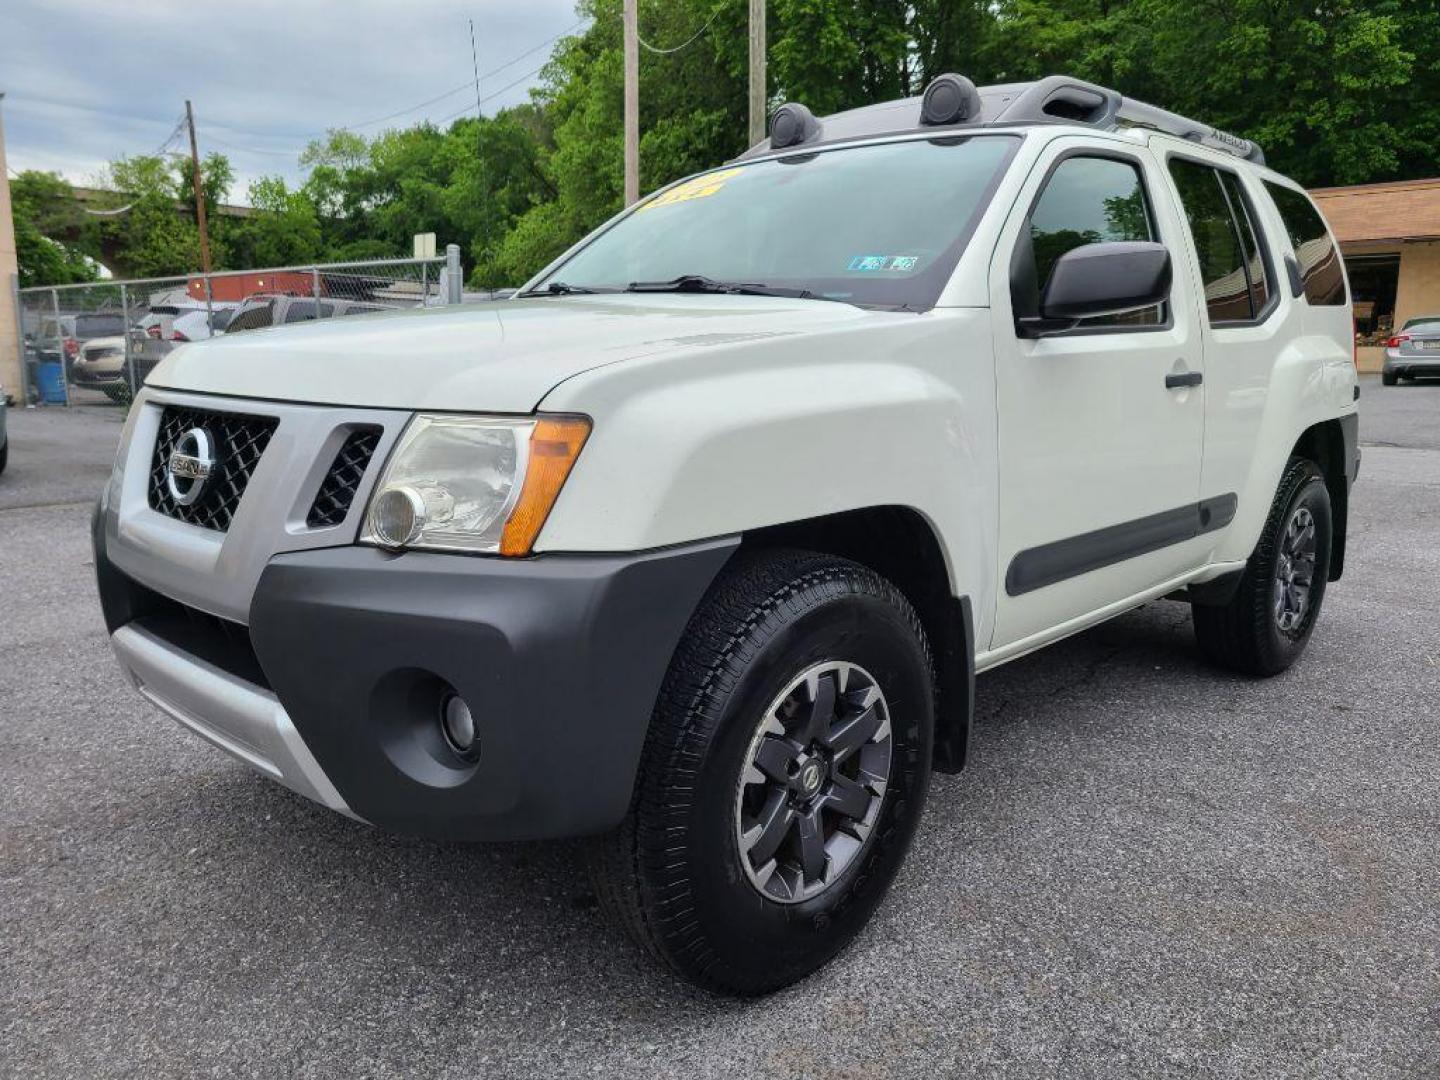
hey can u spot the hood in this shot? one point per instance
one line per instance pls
(503, 356)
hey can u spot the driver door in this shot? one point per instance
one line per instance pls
(1099, 458)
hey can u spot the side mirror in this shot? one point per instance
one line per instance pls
(1102, 279)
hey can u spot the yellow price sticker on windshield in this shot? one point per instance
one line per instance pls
(701, 187)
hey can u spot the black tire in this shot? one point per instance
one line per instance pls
(1389, 378)
(1247, 635)
(4, 455)
(674, 875)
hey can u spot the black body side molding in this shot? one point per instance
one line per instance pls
(1047, 564)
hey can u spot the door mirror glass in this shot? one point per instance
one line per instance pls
(1103, 279)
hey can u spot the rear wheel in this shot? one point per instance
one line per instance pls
(1267, 623)
(783, 775)
(1389, 378)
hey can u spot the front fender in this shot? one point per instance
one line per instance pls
(761, 433)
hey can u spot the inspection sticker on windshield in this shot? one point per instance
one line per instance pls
(869, 264)
(701, 187)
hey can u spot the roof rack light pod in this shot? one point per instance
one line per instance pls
(791, 125)
(949, 99)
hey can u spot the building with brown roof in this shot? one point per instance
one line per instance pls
(1390, 236)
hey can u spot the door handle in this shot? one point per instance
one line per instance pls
(1177, 380)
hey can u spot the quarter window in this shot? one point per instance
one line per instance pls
(1231, 268)
(1087, 200)
(1251, 239)
(1319, 262)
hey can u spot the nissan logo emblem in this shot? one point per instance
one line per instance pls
(191, 463)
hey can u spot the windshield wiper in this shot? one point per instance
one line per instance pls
(699, 283)
(561, 288)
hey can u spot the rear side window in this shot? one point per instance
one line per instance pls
(251, 318)
(1320, 267)
(1089, 200)
(1232, 271)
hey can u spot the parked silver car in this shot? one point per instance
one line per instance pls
(1413, 351)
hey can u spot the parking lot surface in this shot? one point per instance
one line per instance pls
(1150, 868)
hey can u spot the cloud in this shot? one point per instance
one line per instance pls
(87, 81)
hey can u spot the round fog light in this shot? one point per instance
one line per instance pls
(458, 724)
(397, 516)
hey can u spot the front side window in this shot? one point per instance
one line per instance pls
(1086, 200)
(1319, 262)
(1232, 271)
(880, 225)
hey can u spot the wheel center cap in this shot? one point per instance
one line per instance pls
(811, 777)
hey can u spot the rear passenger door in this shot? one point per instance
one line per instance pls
(1099, 461)
(1246, 320)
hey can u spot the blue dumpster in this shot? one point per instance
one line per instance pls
(50, 381)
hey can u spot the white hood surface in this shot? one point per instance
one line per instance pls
(489, 357)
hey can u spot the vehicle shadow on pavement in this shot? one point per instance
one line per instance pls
(491, 921)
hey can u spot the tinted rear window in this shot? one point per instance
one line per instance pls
(98, 325)
(1319, 262)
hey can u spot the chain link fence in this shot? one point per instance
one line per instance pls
(94, 344)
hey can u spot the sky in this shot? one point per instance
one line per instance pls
(86, 81)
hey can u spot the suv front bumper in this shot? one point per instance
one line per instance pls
(336, 686)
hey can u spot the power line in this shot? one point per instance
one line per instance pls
(246, 149)
(685, 45)
(467, 84)
(492, 95)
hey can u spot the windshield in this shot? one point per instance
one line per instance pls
(880, 225)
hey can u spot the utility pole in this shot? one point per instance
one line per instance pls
(758, 98)
(199, 192)
(632, 104)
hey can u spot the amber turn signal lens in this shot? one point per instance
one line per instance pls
(554, 445)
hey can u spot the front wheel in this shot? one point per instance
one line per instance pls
(784, 773)
(1267, 623)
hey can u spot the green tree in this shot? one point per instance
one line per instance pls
(284, 228)
(55, 240)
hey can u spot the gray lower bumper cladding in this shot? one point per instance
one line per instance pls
(337, 685)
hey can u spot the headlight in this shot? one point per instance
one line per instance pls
(471, 483)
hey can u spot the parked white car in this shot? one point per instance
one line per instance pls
(697, 545)
(199, 325)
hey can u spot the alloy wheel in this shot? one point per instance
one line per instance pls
(813, 781)
(1295, 572)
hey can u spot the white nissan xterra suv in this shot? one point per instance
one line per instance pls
(697, 544)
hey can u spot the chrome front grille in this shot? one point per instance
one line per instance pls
(239, 440)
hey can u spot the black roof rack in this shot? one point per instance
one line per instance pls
(1055, 99)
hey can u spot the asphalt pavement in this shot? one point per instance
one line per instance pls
(1150, 869)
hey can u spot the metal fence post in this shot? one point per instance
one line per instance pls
(60, 345)
(125, 331)
(315, 288)
(452, 272)
(209, 308)
(20, 340)
(424, 284)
